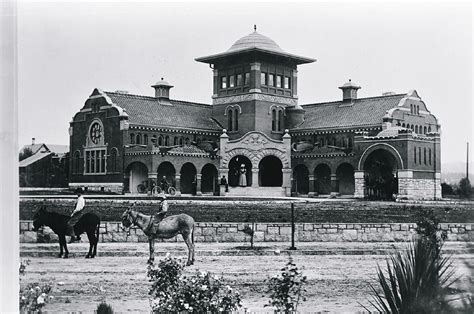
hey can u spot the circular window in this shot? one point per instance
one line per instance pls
(95, 132)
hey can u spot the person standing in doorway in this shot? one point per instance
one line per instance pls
(243, 175)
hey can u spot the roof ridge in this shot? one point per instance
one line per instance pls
(341, 101)
(154, 98)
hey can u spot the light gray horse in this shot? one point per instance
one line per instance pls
(165, 229)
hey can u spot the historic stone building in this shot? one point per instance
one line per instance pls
(256, 134)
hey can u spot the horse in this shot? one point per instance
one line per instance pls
(88, 223)
(167, 228)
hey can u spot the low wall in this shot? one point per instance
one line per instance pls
(268, 232)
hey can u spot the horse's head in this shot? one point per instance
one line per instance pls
(127, 218)
(38, 219)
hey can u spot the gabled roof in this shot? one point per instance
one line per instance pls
(360, 112)
(42, 147)
(34, 158)
(146, 110)
(58, 149)
(34, 147)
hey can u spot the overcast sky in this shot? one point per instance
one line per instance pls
(68, 49)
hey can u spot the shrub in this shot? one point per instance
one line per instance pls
(287, 290)
(104, 308)
(465, 189)
(171, 291)
(34, 297)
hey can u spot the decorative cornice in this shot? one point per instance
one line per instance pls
(255, 96)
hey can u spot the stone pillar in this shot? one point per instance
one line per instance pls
(287, 181)
(334, 185)
(198, 184)
(255, 177)
(178, 184)
(311, 185)
(405, 184)
(359, 184)
(437, 185)
(255, 77)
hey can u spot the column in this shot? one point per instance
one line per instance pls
(254, 177)
(287, 181)
(359, 184)
(198, 184)
(177, 179)
(311, 186)
(334, 185)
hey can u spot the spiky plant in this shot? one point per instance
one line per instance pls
(416, 280)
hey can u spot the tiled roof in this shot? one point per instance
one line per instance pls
(362, 112)
(145, 110)
(34, 158)
(34, 147)
(58, 149)
(191, 149)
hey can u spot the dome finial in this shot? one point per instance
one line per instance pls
(254, 27)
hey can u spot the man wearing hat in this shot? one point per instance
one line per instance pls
(76, 215)
(163, 210)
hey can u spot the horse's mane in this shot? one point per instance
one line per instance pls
(56, 214)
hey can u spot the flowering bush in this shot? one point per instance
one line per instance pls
(33, 297)
(172, 291)
(287, 290)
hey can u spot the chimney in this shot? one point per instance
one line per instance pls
(349, 91)
(33, 141)
(162, 90)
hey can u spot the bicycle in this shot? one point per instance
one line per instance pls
(168, 190)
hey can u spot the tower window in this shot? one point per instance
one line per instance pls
(145, 139)
(247, 79)
(424, 155)
(419, 155)
(223, 82)
(132, 138)
(239, 79)
(176, 141)
(280, 120)
(287, 82)
(231, 81)
(271, 79)
(429, 155)
(279, 79)
(230, 119)
(414, 155)
(274, 120)
(263, 78)
(167, 140)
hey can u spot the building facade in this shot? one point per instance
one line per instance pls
(257, 135)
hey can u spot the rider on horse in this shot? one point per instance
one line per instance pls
(76, 215)
(163, 210)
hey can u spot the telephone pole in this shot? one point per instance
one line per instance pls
(467, 161)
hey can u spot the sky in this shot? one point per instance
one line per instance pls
(66, 49)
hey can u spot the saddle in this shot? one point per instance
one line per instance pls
(155, 220)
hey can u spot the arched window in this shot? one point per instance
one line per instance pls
(350, 142)
(334, 141)
(236, 119)
(181, 141)
(411, 109)
(424, 155)
(416, 129)
(132, 138)
(145, 139)
(429, 155)
(186, 141)
(414, 155)
(160, 140)
(77, 162)
(429, 129)
(176, 141)
(412, 127)
(280, 120)
(403, 124)
(230, 121)
(138, 139)
(274, 118)
(419, 155)
(167, 140)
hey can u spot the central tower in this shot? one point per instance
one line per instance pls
(255, 86)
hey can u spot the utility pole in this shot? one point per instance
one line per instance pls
(467, 161)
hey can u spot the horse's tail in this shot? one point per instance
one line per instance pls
(97, 229)
(192, 235)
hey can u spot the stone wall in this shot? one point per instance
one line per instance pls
(419, 189)
(269, 232)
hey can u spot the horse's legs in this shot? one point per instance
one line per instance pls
(96, 237)
(90, 236)
(188, 240)
(151, 242)
(66, 252)
(60, 238)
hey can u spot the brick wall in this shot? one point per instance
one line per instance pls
(269, 232)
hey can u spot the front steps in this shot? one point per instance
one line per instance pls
(261, 191)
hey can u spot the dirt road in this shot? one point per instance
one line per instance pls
(337, 283)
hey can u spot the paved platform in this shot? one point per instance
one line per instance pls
(235, 249)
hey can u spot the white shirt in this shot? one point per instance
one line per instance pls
(164, 206)
(79, 205)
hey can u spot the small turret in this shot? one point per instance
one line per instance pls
(349, 91)
(162, 90)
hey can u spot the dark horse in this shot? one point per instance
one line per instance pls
(88, 223)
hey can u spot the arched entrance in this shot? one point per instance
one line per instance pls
(301, 179)
(187, 177)
(209, 179)
(381, 180)
(270, 171)
(234, 170)
(345, 178)
(167, 170)
(138, 173)
(322, 179)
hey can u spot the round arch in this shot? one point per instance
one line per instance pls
(381, 179)
(188, 179)
(301, 179)
(384, 146)
(270, 171)
(345, 179)
(138, 173)
(167, 170)
(322, 179)
(237, 172)
(209, 179)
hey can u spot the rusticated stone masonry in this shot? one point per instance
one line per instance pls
(269, 232)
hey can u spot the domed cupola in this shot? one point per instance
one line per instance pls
(255, 41)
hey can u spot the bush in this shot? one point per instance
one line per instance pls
(171, 291)
(287, 290)
(104, 308)
(465, 189)
(34, 297)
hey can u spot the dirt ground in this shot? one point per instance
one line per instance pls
(337, 283)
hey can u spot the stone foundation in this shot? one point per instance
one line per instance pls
(99, 187)
(268, 232)
(419, 189)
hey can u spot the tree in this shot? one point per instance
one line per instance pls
(25, 153)
(465, 189)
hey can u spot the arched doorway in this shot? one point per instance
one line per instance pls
(301, 179)
(381, 180)
(322, 179)
(187, 176)
(345, 178)
(234, 170)
(138, 173)
(166, 169)
(209, 179)
(270, 171)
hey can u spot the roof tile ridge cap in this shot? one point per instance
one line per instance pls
(364, 98)
(190, 102)
(131, 95)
